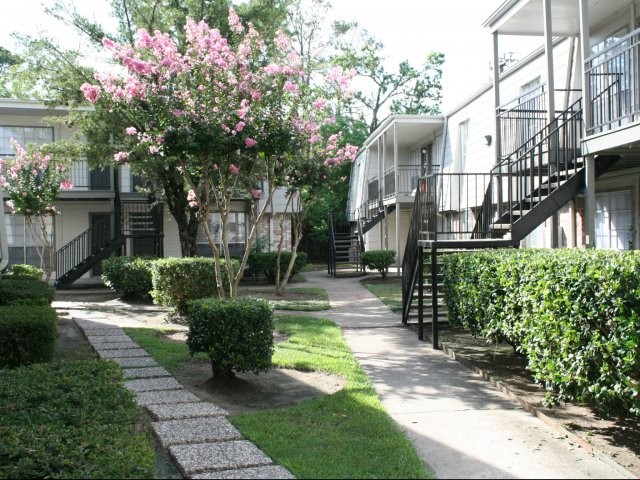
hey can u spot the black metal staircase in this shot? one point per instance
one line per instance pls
(132, 219)
(520, 193)
(345, 248)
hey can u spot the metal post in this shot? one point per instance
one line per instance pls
(421, 293)
(434, 298)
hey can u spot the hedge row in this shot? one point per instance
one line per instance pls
(70, 420)
(575, 314)
(266, 263)
(28, 324)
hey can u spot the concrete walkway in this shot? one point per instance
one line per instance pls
(460, 425)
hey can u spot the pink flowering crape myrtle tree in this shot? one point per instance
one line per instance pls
(32, 179)
(229, 113)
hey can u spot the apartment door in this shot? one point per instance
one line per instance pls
(99, 236)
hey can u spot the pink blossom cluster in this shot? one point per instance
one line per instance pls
(32, 180)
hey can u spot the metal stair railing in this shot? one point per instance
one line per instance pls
(525, 178)
(83, 246)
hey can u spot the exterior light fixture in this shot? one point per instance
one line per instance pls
(487, 139)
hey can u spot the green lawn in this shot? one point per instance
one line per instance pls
(389, 291)
(344, 435)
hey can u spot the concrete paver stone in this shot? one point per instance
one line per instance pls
(270, 471)
(146, 372)
(174, 411)
(165, 396)
(100, 339)
(135, 361)
(195, 430)
(152, 384)
(114, 346)
(130, 352)
(201, 457)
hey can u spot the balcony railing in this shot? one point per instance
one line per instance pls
(408, 176)
(614, 85)
(88, 179)
(521, 118)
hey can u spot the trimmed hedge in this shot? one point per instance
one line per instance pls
(379, 260)
(70, 420)
(27, 334)
(20, 270)
(575, 314)
(25, 291)
(265, 263)
(236, 334)
(176, 281)
(129, 276)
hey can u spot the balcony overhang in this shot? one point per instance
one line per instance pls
(525, 17)
(621, 141)
(409, 130)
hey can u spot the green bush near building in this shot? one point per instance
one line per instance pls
(129, 276)
(574, 313)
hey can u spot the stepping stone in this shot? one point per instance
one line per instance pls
(185, 410)
(135, 361)
(149, 372)
(100, 339)
(165, 396)
(200, 457)
(115, 345)
(131, 352)
(153, 384)
(195, 430)
(103, 331)
(270, 471)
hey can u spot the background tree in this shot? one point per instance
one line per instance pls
(406, 90)
(32, 179)
(226, 115)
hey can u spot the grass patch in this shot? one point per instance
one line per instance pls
(70, 420)
(388, 290)
(344, 435)
(171, 354)
(301, 299)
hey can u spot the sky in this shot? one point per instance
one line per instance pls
(409, 29)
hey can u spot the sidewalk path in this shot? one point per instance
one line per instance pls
(460, 425)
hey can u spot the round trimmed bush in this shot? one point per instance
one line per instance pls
(20, 270)
(379, 260)
(129, 276)
(236, 334)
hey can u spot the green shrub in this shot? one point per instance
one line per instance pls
(176, 281)
(575, 314)
(129, 276)
(265, 263)
(70, 420)
(27, 334)
(236, 334)
(20, 270)
(25, 291)
(379, 260)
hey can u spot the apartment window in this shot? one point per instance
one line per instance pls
(614, 220)
(23, 135)
(534, 111)
(236, 235)
(463, 145)
(21, 241)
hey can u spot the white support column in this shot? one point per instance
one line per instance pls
(590, 162)
(4, 245)
(585, 53)
(548, 51)
(496, 96)
(397, 184)
(590, 201)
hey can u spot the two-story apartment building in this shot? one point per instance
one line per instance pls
(105, 214)
(589, 54)
(546, 155)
